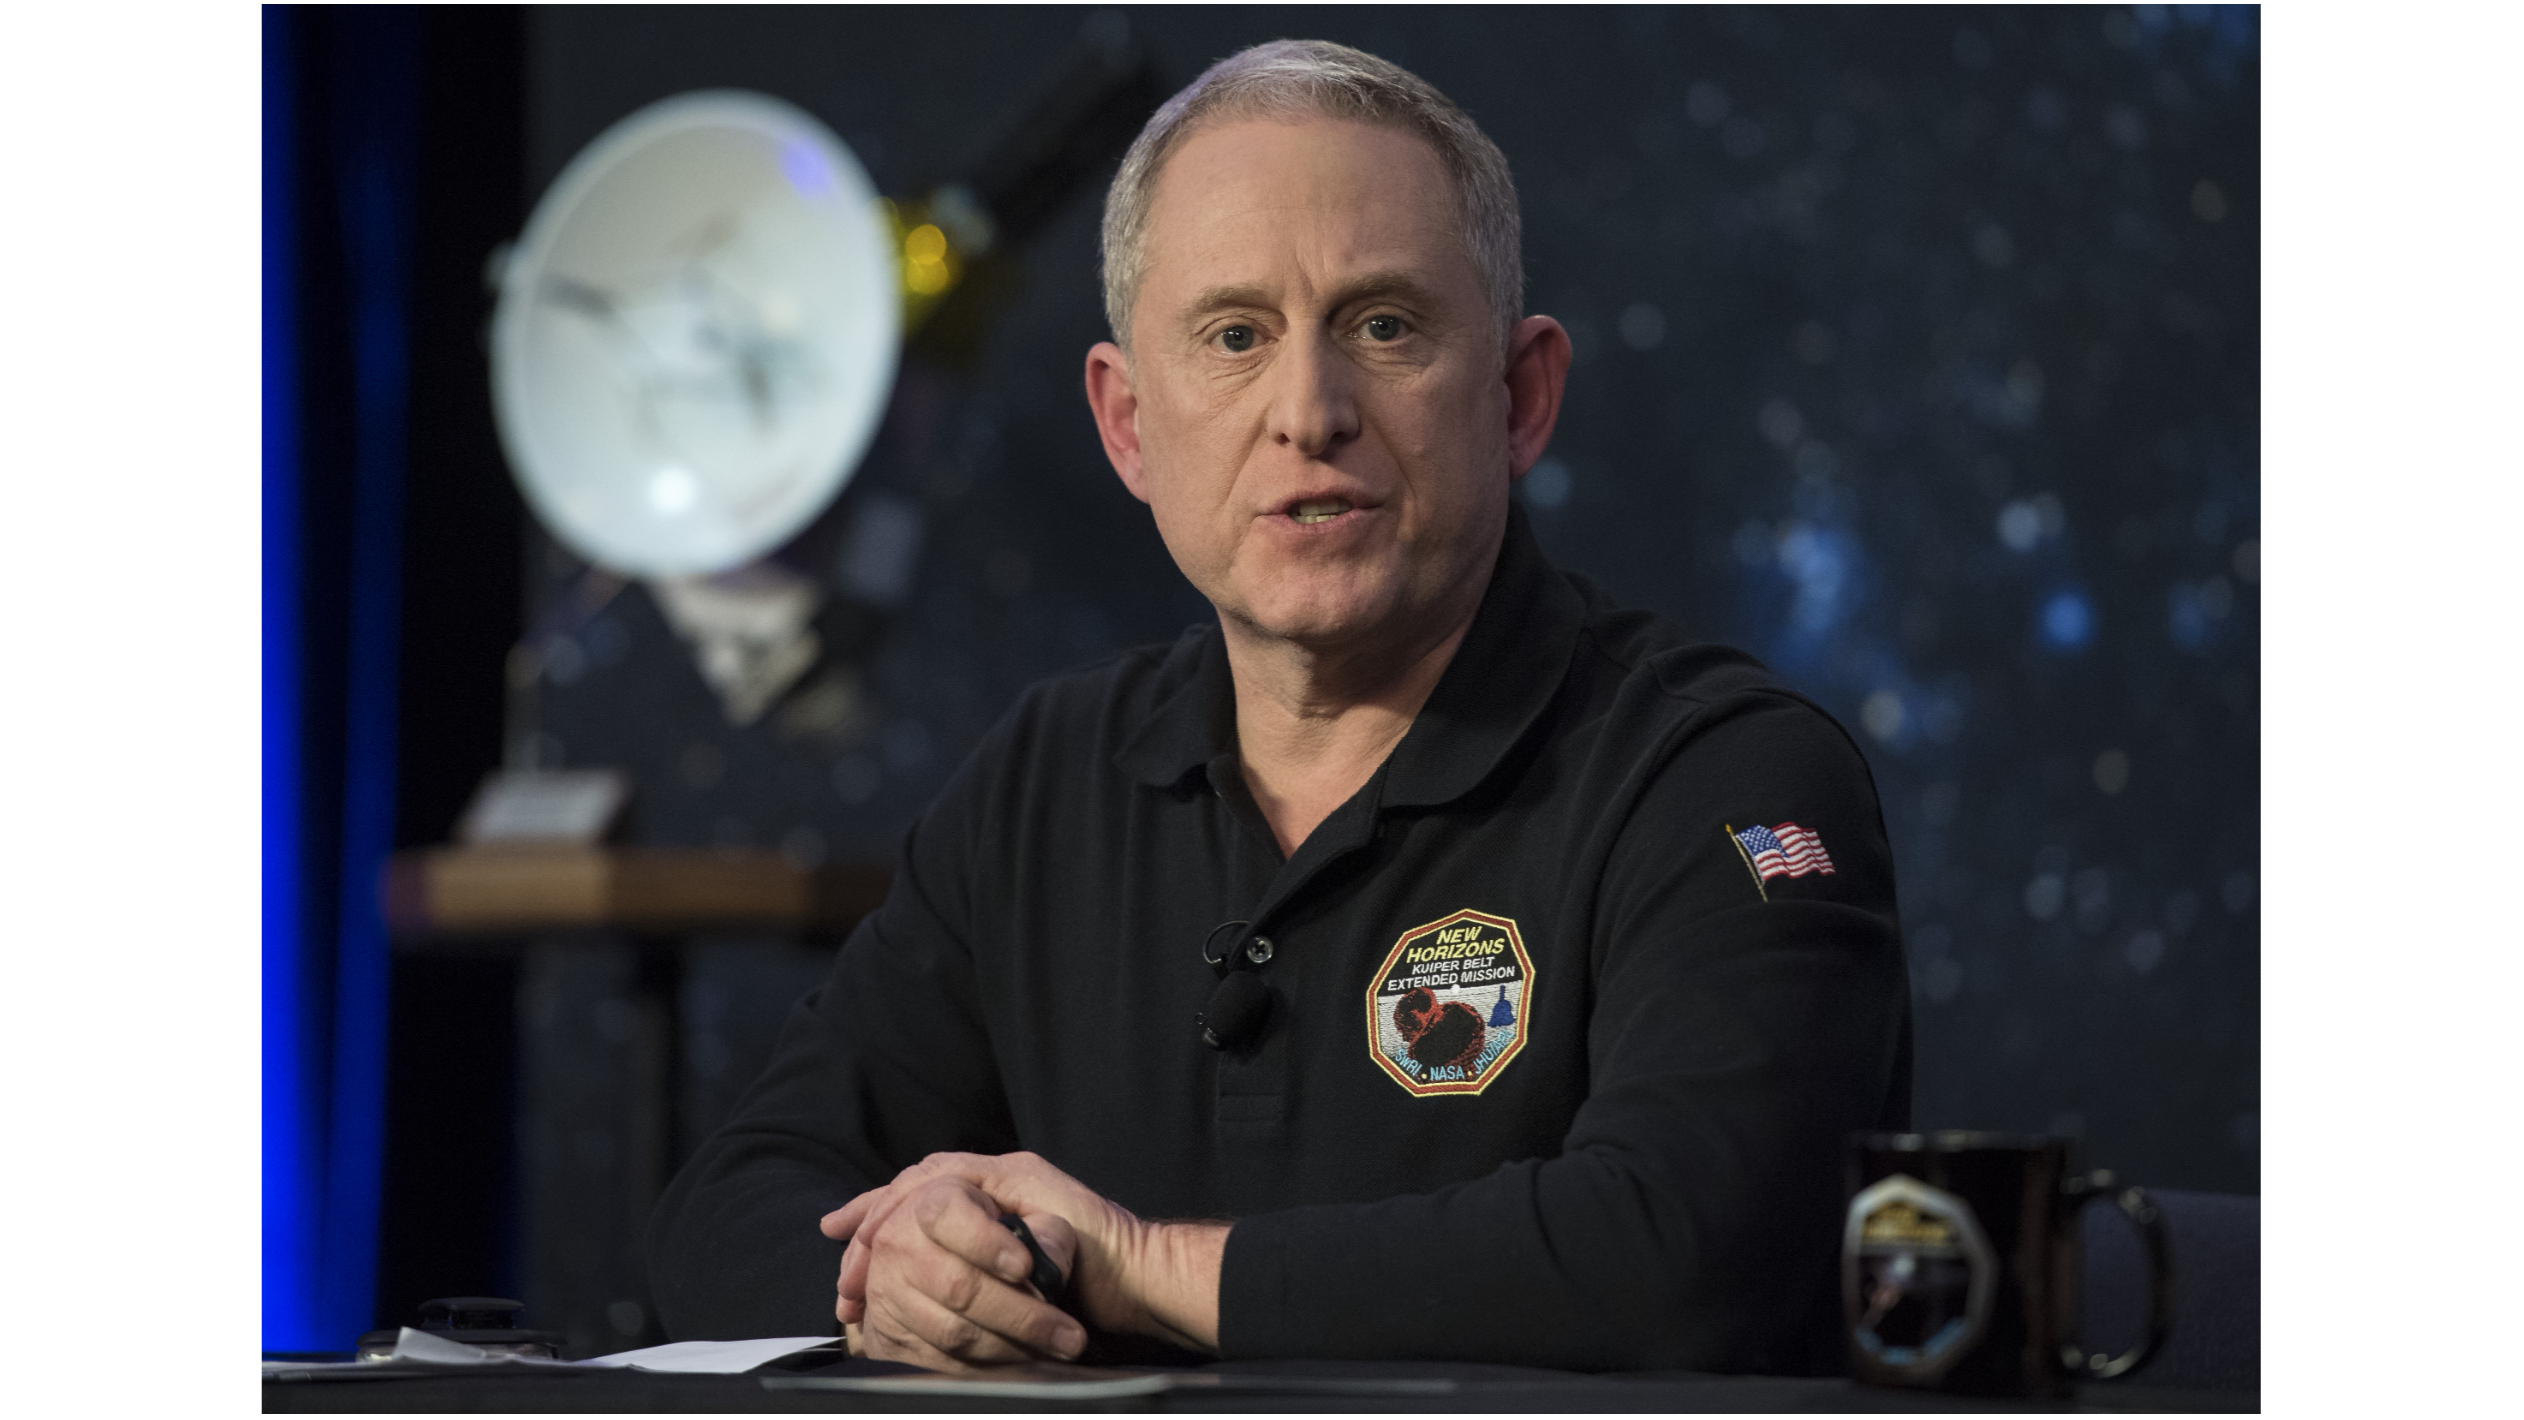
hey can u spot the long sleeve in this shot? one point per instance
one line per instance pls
(885, 1062)
(1741, 1029)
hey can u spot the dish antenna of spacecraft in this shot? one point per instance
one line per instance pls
(696, 336)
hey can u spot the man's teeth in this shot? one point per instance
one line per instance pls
(1319, 509)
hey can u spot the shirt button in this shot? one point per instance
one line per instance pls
(1258, 951)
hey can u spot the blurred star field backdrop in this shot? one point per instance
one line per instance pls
(1916, 352)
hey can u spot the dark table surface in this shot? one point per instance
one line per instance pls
(1237, 1386)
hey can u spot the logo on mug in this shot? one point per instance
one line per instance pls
(1918, 1274)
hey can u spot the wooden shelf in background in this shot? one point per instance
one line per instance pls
(444, 892)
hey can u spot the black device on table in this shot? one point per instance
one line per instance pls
(487, 1322)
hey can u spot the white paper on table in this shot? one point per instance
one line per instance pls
(711, 1358)
(692, 1358)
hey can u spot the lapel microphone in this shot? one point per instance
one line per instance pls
(1235, 1011)
(1241, 999)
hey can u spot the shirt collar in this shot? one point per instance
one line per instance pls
(1193, 718)
(1510, 664)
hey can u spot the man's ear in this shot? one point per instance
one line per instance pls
(1115, 405)
(1537, 374)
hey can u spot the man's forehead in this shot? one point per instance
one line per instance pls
(1393, 283)
(1246, 205)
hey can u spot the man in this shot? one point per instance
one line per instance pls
(1495, 974)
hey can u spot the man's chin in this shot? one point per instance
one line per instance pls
(1320, 622)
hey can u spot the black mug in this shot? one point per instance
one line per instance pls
(1960, 1264)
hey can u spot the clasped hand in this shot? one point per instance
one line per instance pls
(931, 1277)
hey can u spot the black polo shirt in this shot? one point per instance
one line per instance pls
(1572, 1006)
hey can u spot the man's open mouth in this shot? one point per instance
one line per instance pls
(1319, 510)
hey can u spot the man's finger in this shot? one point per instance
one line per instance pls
(918, 1321)
(887, 1338)
(951, 1249)
(1009, 1314)
(846, 1220)
(1024, 1183)
(866, 1213)
(853, 1281)
(1021, 1183)
(852, 1217)
(981, 1270)
(965, 1221)
(854, 1258)
(978, 1270)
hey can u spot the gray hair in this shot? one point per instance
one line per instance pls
(1305, 78)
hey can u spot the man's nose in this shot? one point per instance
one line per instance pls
(1313, 407)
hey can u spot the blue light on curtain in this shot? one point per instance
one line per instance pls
(290, 1147)
(352, 105)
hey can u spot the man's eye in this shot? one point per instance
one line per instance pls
(1384, 328)
(1236, 339)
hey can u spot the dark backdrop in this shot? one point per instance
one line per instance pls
(1917, 352)
(450, 1171)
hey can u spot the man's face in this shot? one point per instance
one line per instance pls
(1320, 414)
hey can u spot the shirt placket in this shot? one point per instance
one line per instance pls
(1256, 1084)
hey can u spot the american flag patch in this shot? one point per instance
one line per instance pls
(1783, 850)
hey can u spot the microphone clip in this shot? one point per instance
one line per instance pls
(1241, 999)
